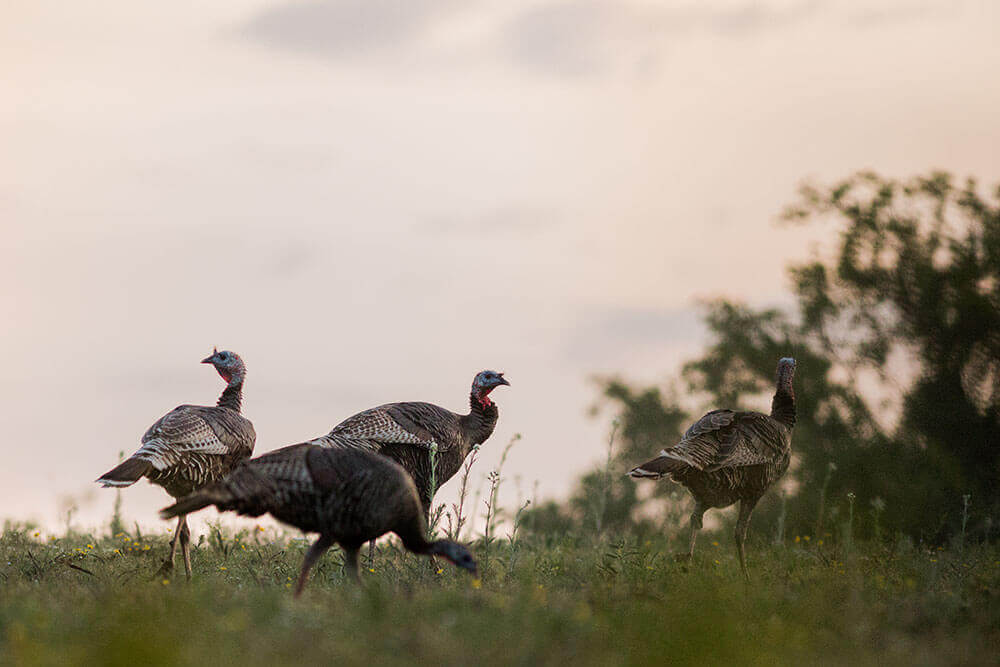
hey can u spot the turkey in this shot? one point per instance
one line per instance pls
(728, 456)
(348, 496)
(191, 446)
(406, 432)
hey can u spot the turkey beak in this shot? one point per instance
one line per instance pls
(208, 360)
(503, 381)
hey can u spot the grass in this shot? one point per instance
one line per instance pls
(86, 599)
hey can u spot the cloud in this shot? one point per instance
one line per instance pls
(897, 12)
(569, 38)
(345, 28)
(561, 38)
(590, 37)
(564, 39)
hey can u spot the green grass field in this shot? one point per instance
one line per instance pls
(88, 599)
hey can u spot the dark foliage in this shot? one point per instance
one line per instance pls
(897, 337)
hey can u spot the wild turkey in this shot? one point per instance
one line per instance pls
(405, 432)
(727, 456)
(191, 446)
(348, 496)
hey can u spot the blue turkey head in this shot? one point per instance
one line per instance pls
(458, 555)
(228, 364)
(487, 381)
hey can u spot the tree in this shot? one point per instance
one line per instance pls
(917, 277)
(897, 335)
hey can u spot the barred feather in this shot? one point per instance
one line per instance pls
(191, 445)
(729, 456)
(126, 473)
(406, 432)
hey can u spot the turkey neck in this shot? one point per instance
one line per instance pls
(415, 539)
(232, 395)
(478, 425)
(783, 403)
(412, 530)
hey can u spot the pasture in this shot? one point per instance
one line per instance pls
(94, 599)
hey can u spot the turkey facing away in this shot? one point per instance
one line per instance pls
(727, 456)
(348, 496)
(405, 432)
(191, 446)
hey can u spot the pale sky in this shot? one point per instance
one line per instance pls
(372, 200)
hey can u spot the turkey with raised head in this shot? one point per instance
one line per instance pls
(729, 456)
(412, 434)
(191, 446)
(349, 496)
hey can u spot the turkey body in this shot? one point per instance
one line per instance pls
(731, 456)
(763, 452)
(351, 495)
(414, 433)
(347, 495)
(191, 446)
(416, 428)
(194, 445)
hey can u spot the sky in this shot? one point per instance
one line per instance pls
(372, 200)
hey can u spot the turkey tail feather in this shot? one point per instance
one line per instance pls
(657, 468)
(212, 495)
(126, 473)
